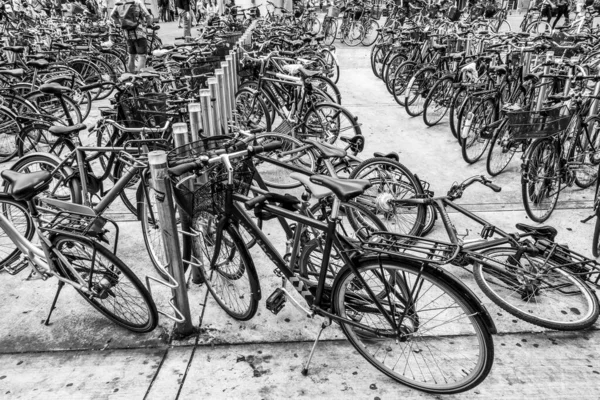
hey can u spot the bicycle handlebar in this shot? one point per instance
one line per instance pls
(457, 190)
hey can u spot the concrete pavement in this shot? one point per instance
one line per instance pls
(82, 355)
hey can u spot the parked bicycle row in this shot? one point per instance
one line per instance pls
(355, 252)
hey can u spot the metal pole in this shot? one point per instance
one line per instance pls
(232, 74)
(224, 93)
(208, 124)
(216, 105)
(168, 226)
(235, 68)
(195, 124)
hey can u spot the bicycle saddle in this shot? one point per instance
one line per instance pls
(327, 150)
(306, 73)
(356, 142)
(14, 49)
(53, 88)
(317, 191)
(26, 186)
(391, 155)
(61, 130)
(344, 189)
(545, 231)
(500, 69)
(179, 57)
(17, 73)
(39, 64)
(154, 27)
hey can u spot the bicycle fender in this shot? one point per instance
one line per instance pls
(452, 281)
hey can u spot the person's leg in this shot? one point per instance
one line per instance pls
(131, 50)
(142, 51)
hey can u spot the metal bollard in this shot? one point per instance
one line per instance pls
(216, 105)
(232, 74)
(225, 90)
(220, 76)
(208, 124)
(235, 68)
(168, 226)
(195, 120)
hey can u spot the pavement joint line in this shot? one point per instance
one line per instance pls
(162, 361)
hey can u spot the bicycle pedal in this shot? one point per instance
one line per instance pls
(15, 268)
(276, 301)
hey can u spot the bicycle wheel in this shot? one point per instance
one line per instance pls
(540, 179)
(417, 91)
(64, 186)
(476, 136)
(354, 34)
(437, 103)
(371, 32)
(357, 223)
(390, 182)
(292, 152)
(595, 238)
(252, 111)
(114, 290)
(443, 346)
(330, 32)
(90, 73)
(9, 133)
(457, 100)
(231, 277)
(539, 28)
(36, 138)
(50, 105)
(327, 86)
(588, 140)
(327, 121)
(128, 194)
(390, 71)
(312, 25)
(377, 57)
(504, 27)
(502, 149)
(401, 78)
(18, 215)
(333, 68)
(533, 289)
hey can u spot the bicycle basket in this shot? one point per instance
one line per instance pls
(538, 124)
(146, 110)
(376, 13)
(210, 196)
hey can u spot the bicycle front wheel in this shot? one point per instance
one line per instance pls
(18, 216)
(327, 121)
(535, 290)
(112, 288)
(440, 343)
(230, 276)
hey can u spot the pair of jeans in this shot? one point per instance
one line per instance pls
(561, 10)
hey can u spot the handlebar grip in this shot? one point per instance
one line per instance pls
(180, 38)
(250, 204)
(183, 168)
(267, 147)
(495, 188)
(287, 53)
(91, 86)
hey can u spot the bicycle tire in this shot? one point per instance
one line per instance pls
(474, 145)
(52, 107)
(391, 180)
(438, 102)
(456, 102)
(327, 121)
(507, 284)
(333, 68)
(327, 86)
(246, 299)
(417, 91)
(351, 301)
(9, 134)
(278, 177)
(595, 238)
(252, 111)
(401, 78)
(18, 215)
(66, 245)
(36, 138)
(371, 33)
(390, 71)
(377, 57)
(330, 32)
(540, 157)
(65, 186)
(501, 152)
(587, 172)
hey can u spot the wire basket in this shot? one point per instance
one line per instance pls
(146, 110)
(538, 124)
(85, 225)
(411, 247)
(209, 197)
(376, 13)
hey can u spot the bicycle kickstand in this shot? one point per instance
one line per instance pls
(312, 351)
(60, 286)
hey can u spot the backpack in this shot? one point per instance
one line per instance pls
(131, 19)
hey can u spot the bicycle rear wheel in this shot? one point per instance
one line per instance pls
(417, 91)
(115, 291)
(231, 278)
(327, 121)
(553, 299)
(18, 216)
(475, 138)
(540, 179)
(502, 149)
(292, 152)
(443, 346)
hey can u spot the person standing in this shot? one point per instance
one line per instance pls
(562, 8)
(103, 8)
(133, 18)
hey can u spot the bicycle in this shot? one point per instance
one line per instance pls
(67, 243)
(388, 309)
